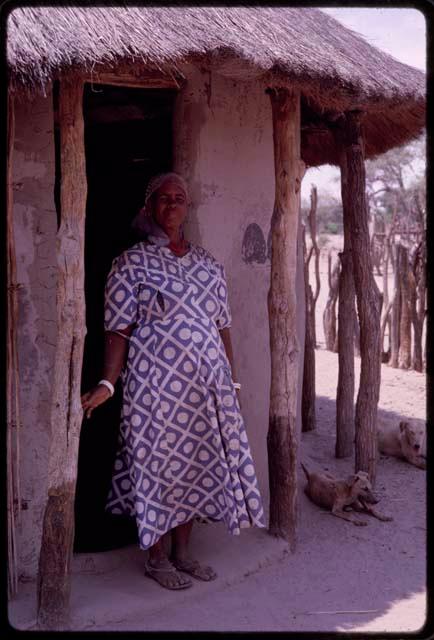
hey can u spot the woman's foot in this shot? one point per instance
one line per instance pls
(164, 572)
(194, 569)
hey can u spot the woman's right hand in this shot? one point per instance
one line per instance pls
(93, 398)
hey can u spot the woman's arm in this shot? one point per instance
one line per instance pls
(115, 354)
(226, 339)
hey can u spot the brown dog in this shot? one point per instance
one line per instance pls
(337, 495)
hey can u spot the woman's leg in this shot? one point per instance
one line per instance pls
(157, 552)
(180, 540)
(181, 557)
(160, 568)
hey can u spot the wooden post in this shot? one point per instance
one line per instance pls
(66, 412)
(417, 290)
(308, 414)
(345, 429)
(395, 337)
(368, 299)
(404, 354)
(13, 383)
(329, 313)
(282, 434)
(317, 252)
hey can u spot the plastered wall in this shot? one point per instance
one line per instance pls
(35, 227)
(224, 148)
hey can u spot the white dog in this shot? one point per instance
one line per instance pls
(405, 440)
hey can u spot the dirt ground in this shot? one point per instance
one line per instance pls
(341, 577)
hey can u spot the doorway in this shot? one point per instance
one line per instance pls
(128, 138)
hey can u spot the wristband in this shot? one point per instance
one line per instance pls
(109, 386)
(237, 385)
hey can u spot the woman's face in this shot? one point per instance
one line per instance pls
(169, 206)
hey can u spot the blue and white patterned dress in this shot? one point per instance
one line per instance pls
(183, 450)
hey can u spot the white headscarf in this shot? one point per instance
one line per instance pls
(144, 223)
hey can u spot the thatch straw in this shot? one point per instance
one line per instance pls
(335, 68)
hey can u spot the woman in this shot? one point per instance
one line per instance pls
(183, 451)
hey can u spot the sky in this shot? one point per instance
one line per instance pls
(399, 32)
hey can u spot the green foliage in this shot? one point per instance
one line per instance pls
(332, 227)
(329, 215)
(395, 180)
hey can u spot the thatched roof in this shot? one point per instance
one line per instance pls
(335, 68)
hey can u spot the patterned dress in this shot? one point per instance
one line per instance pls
(183, 451)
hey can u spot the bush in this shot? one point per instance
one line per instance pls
(332, 227)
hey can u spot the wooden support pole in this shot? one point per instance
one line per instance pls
(316, 252)
(66, 412)
(282, 434)
(345, 426)
(308, 414)
(12, 375)
(402, 262)
(368, 299)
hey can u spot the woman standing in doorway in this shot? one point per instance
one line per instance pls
(183, 451)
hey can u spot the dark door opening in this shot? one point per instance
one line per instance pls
(128, 138)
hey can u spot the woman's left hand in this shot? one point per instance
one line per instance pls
(238, 397)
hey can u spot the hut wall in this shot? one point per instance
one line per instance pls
(35, 226)
(224, 147)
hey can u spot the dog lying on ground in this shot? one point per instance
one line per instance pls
(406, 440)
(338, 495)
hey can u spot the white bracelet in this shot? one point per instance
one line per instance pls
(109, 386)
(122, 335)
(237, 385)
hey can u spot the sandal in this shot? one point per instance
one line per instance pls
(193, 568)
(165, 567)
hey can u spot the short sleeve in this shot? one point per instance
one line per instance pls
(224, 318)
(120, 300)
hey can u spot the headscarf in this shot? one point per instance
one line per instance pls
(144, 222)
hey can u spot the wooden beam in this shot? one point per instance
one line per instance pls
(66, 412)
(284, 348)
(368, 297)
(129, 80)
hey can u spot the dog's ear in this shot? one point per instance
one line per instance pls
(403, 425)
(363, 475)
(351, 480)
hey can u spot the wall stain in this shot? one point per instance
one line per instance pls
(254, 248)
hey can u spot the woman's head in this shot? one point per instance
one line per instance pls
(166, 202)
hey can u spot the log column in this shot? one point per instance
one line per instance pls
(282, 434)
(12, 375)
(345, 428)
(368, 297)
(66, 412)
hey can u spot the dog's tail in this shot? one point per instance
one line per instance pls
(306, 471)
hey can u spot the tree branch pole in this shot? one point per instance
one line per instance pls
(12, 368)
(317, 252)
(66, 412)
(284, 348)
(404, 354)
(345, 429)
(308, 414)
(368, 299)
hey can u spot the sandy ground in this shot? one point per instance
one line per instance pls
(340, 578)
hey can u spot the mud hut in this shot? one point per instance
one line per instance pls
(238, 100)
